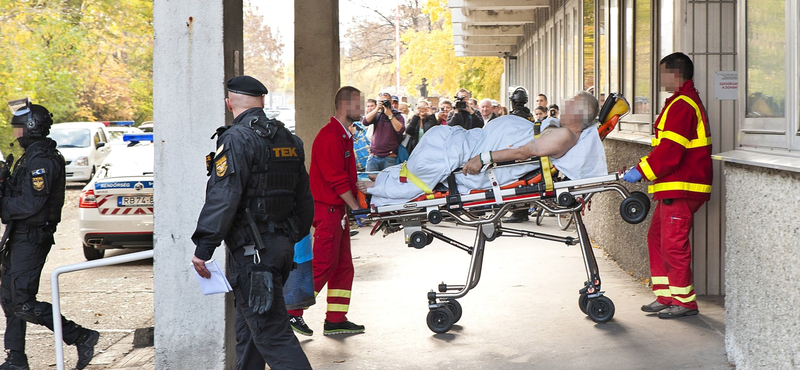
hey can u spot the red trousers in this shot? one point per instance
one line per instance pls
(671, 253)
(332, 262)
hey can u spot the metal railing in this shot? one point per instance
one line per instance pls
(57, 329)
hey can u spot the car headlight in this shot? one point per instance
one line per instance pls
(82, 161)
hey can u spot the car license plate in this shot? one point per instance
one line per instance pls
(135, 201)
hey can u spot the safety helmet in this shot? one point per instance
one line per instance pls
(35, 121)
(519, 96)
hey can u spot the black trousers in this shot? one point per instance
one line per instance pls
(21, 271)
(266, 338)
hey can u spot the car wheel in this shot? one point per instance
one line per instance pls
(91, 253)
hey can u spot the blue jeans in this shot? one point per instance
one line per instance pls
(375, 164)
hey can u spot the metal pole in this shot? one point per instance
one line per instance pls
(57, 329)
(397, 46)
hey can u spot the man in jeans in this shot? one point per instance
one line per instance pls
(389, 128)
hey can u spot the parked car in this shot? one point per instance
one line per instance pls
(116, 207)
(116, 133)
(84, 146)
(146, 126)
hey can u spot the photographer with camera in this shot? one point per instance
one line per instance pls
(463, 115)
(552, 118)
(389, 129)
(420, 123)
(445, 107)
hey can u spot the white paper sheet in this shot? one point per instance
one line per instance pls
(217, 283)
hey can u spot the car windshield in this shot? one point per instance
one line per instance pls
(72, 138)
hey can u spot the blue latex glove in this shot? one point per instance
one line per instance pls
(360, 219)
(632, 176)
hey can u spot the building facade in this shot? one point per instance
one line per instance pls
(747, 71)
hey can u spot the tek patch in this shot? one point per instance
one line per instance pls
(38, 183)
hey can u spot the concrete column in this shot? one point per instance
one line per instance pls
(316, 66)
(197, 47)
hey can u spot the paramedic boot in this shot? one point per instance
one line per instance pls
(15, 361)
(653, 307)
(299, 326)
(676, 311)
(85, 344)
(345, 327)
(517, 217)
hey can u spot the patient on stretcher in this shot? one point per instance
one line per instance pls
(574, 148)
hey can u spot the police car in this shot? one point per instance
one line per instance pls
(116, 206)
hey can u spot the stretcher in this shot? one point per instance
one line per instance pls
(484, 209)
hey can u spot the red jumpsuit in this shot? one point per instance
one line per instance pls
(332, 172)
(680, 167)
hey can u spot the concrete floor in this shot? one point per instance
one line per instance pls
(522, 315)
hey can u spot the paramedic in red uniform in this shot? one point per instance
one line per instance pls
(333, 185)
(680, 168)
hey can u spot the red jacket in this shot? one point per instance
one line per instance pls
(333, 164)
(680, 163)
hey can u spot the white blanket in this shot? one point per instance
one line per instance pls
(444, 148)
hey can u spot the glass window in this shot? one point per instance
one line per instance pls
(766, 58)
(643, 63)
(588, 44)
(96, 138)
(614, 25)
(602, 47)
(666, 44)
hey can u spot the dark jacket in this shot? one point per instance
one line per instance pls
(34, 195)
(464, 119)
(413, 129)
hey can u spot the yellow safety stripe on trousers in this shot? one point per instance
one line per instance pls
(335, 307)
(404, 172)
(341, 293)
(660, 280)
(681, 290)
(691, 298)
(546, 174)
(648, 171)
(662, 293)
(701, 140)
(679, 185)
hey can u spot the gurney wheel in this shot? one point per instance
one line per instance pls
(564, 220)
(430, 239)
(633, 210)
(645, 200)
(435, 217)
(455, 308)
(418, 239)
(600, 310)
(583, 302)
(539, 216)
(440, 320)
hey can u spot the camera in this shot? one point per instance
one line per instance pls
(386, 103)
(553, 113)
(461, 102)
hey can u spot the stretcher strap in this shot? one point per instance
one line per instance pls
(406, 175)
(498, 199)
(546, 173)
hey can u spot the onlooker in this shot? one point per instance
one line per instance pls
(487, 112)
(540, 113)
(360, 145)
(496, 108)
(423, 119)
(463, 115)
(473, 103)
(403, 108)
(554, 111)
(552, 118)
(541, 100)
(371, 105)
(395, 102)
(389, 128)
(505, 110)
(445, 107)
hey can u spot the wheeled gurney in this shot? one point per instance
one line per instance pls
(558, 197)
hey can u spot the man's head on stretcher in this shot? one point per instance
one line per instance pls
(579, 113)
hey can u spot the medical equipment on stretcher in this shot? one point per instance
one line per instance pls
(538, 188)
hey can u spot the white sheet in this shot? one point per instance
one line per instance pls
(444, 148)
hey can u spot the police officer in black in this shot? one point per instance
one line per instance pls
(257, 178)
(518, 100)
(31, 208)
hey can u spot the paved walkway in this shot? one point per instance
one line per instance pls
(522, 315)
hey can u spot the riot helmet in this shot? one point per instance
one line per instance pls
(519, 96)
(31, 122)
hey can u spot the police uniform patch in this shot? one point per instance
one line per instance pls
(38, 172)
(222, 166)
(38, 183)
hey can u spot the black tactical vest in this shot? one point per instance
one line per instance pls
(50, 214)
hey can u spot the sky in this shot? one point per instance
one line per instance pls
(280, 15)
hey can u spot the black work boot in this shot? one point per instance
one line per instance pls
(15, 361)
(85, 344)
(517, 217)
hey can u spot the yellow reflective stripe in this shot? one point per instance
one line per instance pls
(660, 280)
(546, 174)
(648, 171)
(404, 172)
(681, 290)
(654, 142)
(682, 141)
(696, 143)
(679, 185)
(335, 307)
(691, 298)
(662, 293)
(338, 293)
(701, 140)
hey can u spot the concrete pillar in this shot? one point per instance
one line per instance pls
(197, 48)
(316, 66)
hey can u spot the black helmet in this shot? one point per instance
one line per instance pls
(519, 96)
(35, 121)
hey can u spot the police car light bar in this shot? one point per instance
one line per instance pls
(118, 123)
(137, 137)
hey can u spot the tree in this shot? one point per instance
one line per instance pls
(263, 50)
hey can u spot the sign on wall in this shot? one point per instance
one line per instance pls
(726, 85)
